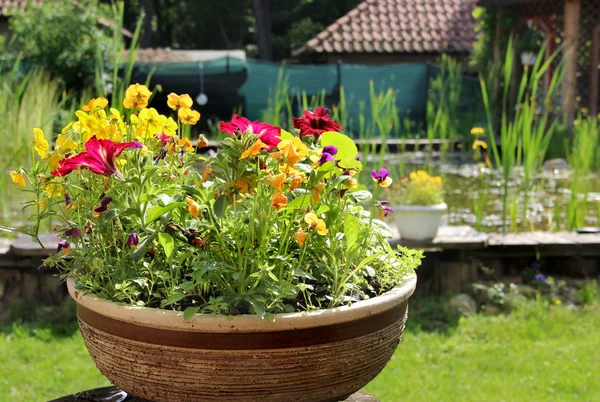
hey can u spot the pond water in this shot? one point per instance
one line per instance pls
(474, 195)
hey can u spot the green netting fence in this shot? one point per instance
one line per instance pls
(253, 87)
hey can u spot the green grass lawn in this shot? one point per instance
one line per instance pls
(537, 353)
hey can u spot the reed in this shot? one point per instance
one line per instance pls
(582, 158)
(525, 127)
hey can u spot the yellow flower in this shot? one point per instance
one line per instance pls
(169, 127)
(54, 161)
(477, 131)
(152, 121)
(175, 101)
(95, 103)
(300, 237)
(242, 186)
(277, 181)
(576, 122)
(18, 178)
(136, 97)
(64, 143)
(557, 301)
(352, 182)
(54, 190)
(278, 200)
(292, 151)
(479, 144)
(40, 144)
(315, 223)
(254, 149)
(193, 207)
(144, 151)
(188, 116)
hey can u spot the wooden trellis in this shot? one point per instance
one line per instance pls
(567, 21)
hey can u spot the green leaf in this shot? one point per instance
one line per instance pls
(350, 163)
(220, 206)
(303, 274)
(189, 312)
(8, 229)
(327, 167)
(300, 202)
(361, 195)
(258, 305)
(322, 209)
(344, 144)
(167, 242)
(286, 135)
(156, 212)
(351, 229)
(174, 298)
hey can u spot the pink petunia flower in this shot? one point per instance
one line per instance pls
(267, 133)
(99, 157)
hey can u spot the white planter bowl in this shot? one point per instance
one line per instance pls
(417, 222)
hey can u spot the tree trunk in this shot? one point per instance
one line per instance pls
(263, 29)
(148, 13)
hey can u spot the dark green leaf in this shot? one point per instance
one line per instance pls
(156, 212)
(189, 312)
(220, 206)
(167, 242)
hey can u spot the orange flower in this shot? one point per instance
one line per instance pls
(241, 185)
(94, 103)
(300, 237)
(175, 101)
(291, 151)
(202, 142)
(352, 183)
(254, 149)
(276, 181)
(316, 192)
(186, 145)
(193, 207)
(188, 116)
(206, 174)
(278, 200)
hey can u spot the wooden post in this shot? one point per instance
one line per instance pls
(572, 14)
(595, 71)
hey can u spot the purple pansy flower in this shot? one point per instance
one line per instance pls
(381, 177)
(103, 205)
(330, 149)
(73, 232)
(326, 158)
(133, 239)
(540, 278)
(64, 246)
(67, 199)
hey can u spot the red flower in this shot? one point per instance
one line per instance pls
(267, 133)
(315, 123)
(99, 157)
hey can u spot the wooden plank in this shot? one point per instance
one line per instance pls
(4, 246)
(27, 247)
(550, 239)
(572, 11)
(448, 237)
(510, 239)
(582, 239)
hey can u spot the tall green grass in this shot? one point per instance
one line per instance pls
(26, 102)
(443, 102)
(526, 126)
(583, 159)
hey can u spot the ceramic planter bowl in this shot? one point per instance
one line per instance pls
(325, 355)
(417, 222)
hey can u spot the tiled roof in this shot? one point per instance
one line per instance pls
(399, 26)
(159, 55)
(8, 7)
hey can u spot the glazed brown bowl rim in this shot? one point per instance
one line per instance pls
(173, 320)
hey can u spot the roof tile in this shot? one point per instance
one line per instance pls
(399, 26)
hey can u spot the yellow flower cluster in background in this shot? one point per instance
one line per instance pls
(420, 188)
